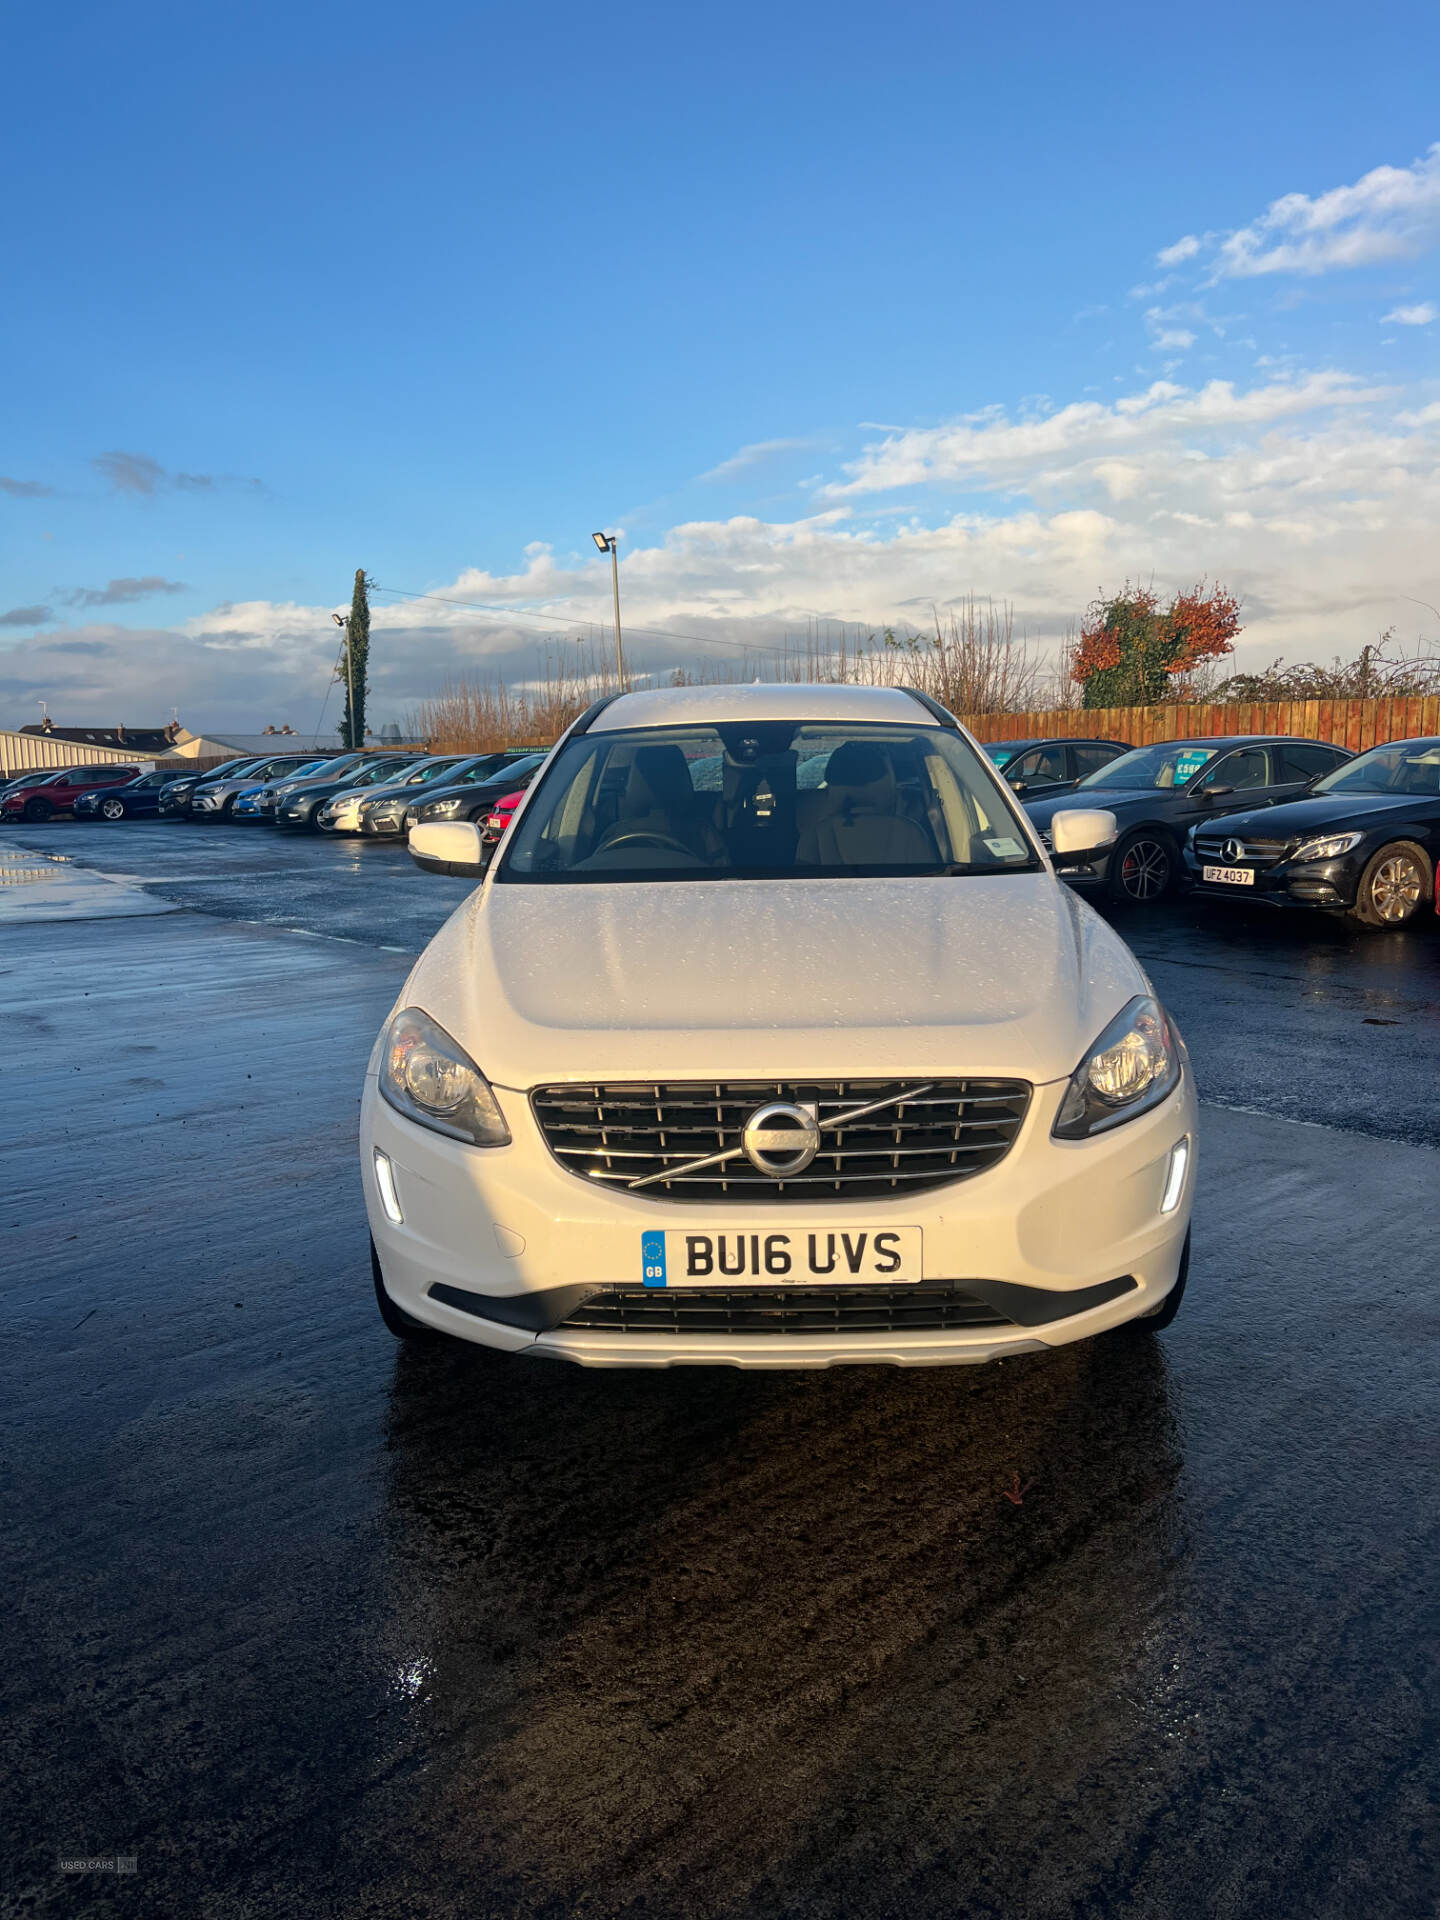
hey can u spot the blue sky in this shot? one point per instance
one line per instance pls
(832, 311)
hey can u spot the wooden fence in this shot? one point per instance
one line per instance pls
(1356, 724)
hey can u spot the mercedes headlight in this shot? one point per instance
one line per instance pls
(428, 1077)
(1134, 1064)
(1329, 848)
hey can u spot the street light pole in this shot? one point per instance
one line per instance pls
(344, 625)
(607, 543)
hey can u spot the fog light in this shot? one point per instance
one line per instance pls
(390, 1199)
(1174, 1179)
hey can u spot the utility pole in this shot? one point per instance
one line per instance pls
(344, 625)
(607, 543)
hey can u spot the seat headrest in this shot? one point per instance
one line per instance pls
(659, 776)
(856, 764)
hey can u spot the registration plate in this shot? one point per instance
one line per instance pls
(1231, 876)
(787, 1256)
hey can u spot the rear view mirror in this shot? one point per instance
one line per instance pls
(1080, 830)
(448, 846)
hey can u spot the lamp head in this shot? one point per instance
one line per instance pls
(602, 542)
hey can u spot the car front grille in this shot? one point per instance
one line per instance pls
(1210, 847)
(795, 1310)
(935, 1132)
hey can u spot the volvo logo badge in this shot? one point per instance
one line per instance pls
(781, 1139)
(1233, 850)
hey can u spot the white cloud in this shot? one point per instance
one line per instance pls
(1184, 249)
(1390, 213)
(1314, 499)
(1053, 452)
(755, 455)
(1418, 316)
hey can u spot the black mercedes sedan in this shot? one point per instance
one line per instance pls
(1158, 793)
(1364, 841)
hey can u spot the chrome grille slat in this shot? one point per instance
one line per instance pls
(626, 1132)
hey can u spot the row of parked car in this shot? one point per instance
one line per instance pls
(1266, 817)
(375, 793)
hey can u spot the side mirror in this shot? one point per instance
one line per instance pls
(1019, 786)
(448, 846)
(1077, 831)
(1215, 793)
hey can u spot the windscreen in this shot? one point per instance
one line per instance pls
(766, 799)
(332, 769)
(1152, 768)
(377, 771)
(484, 775)
(1410, 766)
(422, 775)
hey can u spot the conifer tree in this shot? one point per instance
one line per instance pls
(353, 669)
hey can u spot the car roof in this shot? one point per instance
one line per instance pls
(701, 706)
(1246, 740)
(1060, 740)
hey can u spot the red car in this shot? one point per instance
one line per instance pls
(49, 793)
(494, 823)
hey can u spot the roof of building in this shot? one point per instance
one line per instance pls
(127, 739)
(701, 706)
(276, 741)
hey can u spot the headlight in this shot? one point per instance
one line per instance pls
(1329, 848)
(442, 809)
(1134, 1064)
(426, 1076)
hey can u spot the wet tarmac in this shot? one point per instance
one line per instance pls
(309, 1626)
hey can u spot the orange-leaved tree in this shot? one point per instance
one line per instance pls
(1132, 650)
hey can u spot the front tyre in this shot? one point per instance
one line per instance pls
(1143, 868)
(1396, 883)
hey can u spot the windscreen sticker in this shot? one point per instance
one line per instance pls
(1190, 762)
(1004, 848)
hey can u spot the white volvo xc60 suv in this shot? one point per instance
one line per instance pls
(771, 1039)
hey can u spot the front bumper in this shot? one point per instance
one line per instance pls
(510, 1225)
(1324, 884)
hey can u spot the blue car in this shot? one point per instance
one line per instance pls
(135, 800)
(247, 800)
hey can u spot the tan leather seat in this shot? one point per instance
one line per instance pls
(859, 824)
(660, 798)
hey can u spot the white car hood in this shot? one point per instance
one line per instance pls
(775, 979)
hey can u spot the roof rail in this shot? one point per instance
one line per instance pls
(591, 714)
(933, 707)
